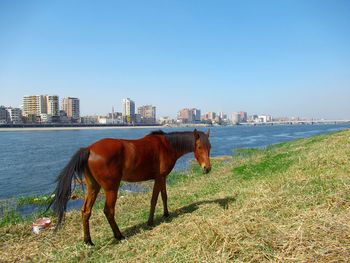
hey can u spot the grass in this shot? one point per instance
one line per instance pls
(289, 202)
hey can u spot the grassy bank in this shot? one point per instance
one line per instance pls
(289, 202)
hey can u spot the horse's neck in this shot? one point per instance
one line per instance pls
(181, 143)
(181, 153)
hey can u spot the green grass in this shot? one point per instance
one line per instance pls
(34, 200)
(270, 164)
(288, 202)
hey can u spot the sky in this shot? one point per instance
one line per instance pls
(284, 58)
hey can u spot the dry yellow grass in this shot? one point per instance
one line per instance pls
(289, 203)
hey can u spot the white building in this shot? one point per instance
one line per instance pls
(166, 120)
(14, 114)
(44, 117)
(128, 110)
(107, 120)
(53, 105)
(264, 118)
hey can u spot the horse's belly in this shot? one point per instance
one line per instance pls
(138, 176)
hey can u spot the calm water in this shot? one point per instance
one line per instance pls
(30, 161)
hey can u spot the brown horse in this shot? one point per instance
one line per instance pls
(109, 161)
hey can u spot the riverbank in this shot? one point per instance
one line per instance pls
(288, 202)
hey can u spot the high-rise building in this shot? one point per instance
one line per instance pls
(34, 105)
(184, 115)
(189, 115)
(30, 106)
(236, 117)
(72, 107)
(196, 115)
(147, 113)
(243, 116)
(52, 105)
(128, 110)
(239, 117)
(211, 115)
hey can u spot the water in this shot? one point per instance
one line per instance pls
(31, 160)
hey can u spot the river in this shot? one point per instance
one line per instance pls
(31, 160)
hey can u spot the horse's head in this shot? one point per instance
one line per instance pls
(202, 150)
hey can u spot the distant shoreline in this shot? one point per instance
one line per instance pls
(75, 128)
(54, 127)
(88, 127)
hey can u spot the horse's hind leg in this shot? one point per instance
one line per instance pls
(93, 188)
(109, 210)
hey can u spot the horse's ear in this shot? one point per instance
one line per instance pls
(208, 133)
(196, 134)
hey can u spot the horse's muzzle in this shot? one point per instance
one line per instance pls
(206, 169)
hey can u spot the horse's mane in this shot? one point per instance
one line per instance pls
(157, 132)
(181, 141)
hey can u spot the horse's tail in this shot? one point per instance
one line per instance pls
(73, 170)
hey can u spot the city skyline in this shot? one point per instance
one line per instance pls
(51, 105)
(289, 58)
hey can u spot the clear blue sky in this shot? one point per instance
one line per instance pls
(285, 58)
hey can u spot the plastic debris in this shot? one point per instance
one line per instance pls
(41, 224)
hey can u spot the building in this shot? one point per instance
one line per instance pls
(44, 118)
(4, 118)
(166, 120)
(147, 114)
(72, 107)
(223, 116)
(184, 116)
(43, 108)
(53, 105)
(30, 106)
(243, 116)
(264, 118)
(236, 118)
(187, 115)
(34, 105)
(128, 110)
(209, 117)
(239, 117)
(14, 115)
(89, 119)
(253, 118)
(117, 117)
(196, 115)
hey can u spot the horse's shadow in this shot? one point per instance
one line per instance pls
(223, 202)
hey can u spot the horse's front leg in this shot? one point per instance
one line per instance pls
(164, 197)
(155, 193)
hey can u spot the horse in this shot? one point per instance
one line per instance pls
(107, 162)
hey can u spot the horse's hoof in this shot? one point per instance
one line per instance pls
(121, 237)
(88, 242)
(165, 215)
(150, 223)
